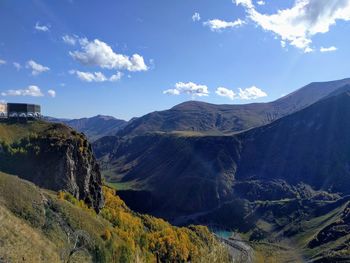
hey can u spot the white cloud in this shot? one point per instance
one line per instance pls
(171, 92)
(51, 93)
(243, 94)
(305, 19)
(43, 28)
(90, 77)
(36, 68)
(95, 76)
(2, 62)
(17, 65)
(283, 43)
(225, 92)
(217, 25)
(116, 76)
(188, 88)
(70, 40)
(32, 91)
(308, 50)
(196, 17)
(251, 93)
(98, 53)
(261, 2)
(246, 3)
(328, 49)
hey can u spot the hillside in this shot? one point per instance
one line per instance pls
(226, 119)
(303, 229)
(94, 127)
(312, 142)
(44, 226)
(197, 116)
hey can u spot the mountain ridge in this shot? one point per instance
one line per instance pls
(94, 127)
(229, 118)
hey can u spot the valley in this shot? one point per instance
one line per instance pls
(280, 184)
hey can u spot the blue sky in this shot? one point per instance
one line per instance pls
(128, 58)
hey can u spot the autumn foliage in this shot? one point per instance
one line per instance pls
(145, 234)
(133, 237)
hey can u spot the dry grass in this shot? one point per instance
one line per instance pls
(264, 253)
(21, 243)
(11, 132)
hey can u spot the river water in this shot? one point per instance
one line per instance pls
(223, 233)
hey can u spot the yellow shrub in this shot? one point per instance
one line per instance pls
(107, 235)
(60, 195)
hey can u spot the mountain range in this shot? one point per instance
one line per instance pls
(278, 173)
(93, 127)
(205, 118)
(212, 169)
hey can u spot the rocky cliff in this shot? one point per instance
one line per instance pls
(52, 156)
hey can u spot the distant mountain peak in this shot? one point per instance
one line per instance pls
(94, 127)
(105, 117)
(191, 103)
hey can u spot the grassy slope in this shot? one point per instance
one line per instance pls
(16, 233)
(277, 247)
(30, 225)
(39, 223)
(313, 226)
(13, 132)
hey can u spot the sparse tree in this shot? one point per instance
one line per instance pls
(79, 241)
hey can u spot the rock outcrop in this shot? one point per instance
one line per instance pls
(55, 158)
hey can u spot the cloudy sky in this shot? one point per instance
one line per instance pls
(80, 58)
